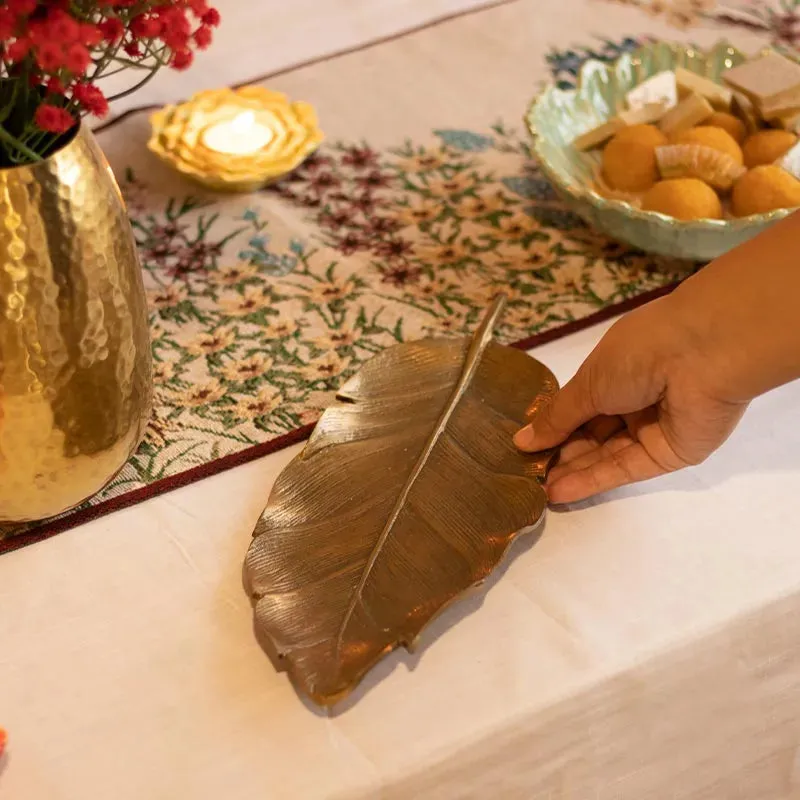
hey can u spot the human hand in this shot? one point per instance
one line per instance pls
(650, 399)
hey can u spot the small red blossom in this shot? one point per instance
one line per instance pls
(181, 59)
(18, 50)
(50, 57)
(62, 27)
(91, 98)
(77, 59)
(144, 27)
(203, 37)
(199, 7)
(91, 35)
(55, 86)
(62, 46)
(21, 7)
(7, 24)
(112, 29)
(53, 119)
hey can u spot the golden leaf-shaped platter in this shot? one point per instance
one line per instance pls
(409, 493)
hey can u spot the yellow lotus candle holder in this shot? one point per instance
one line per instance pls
(235, 140)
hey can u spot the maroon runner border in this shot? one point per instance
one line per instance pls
(46, 530)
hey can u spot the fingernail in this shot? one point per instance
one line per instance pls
(525, 438)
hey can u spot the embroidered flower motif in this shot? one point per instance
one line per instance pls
(202, 395)
(392, 249)
(166, 296)
(209, 342)
(473, 207)
(515, 226)
(280, 328)
(417, 211)
(424, 161)
(438, 254)
(401, 275)
(514, 256)
(244, 369)
(327, 366)
(523, 317)
(451, 187)
(335, 220)
(163, 372)
(336, 338)
(234, 274)
(329, 292)
(568, 277)
(360, 158)
(253, 299)
(434, 287)
(261, 405)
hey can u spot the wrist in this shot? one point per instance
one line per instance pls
(707, 345)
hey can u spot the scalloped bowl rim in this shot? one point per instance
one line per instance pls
(599, 202)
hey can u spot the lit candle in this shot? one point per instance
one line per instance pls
(238, 136)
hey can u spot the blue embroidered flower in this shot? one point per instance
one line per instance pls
(533, 188)
(465, 140)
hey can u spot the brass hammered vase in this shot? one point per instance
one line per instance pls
(75, 364)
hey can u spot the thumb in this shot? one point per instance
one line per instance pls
(561, 417)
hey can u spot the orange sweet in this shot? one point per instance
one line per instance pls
(765, 188)
(684, 199)
(733, 125)
(715, 138)
(629, 159)
(766, 147)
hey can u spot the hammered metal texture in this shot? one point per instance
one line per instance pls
(75, 364)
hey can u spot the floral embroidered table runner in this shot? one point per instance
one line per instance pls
(423, 202)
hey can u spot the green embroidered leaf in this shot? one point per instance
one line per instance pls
(465, 140)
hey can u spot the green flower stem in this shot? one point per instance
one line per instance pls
(8, 139)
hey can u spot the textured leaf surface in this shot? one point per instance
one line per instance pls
(408, 493)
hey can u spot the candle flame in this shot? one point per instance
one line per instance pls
(243, 122)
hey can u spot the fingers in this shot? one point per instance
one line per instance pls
(590, 456)
(560, 418)
(617, 463)
(594, 433)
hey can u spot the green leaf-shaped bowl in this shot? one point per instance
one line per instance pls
(557, 116)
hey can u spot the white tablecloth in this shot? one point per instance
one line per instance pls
(645, 647)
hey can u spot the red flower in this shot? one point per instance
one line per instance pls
(91, 35)
(181, 59)
(53, 119)
(55, 86)
(62, 27)
(77, 59)
(50, 57)
(144, 27)
(199, 7)
(7, 24)
(91, 98)
(112, 29)
(211, 18)
(18, 50)
(203, 37)
(21, 7)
